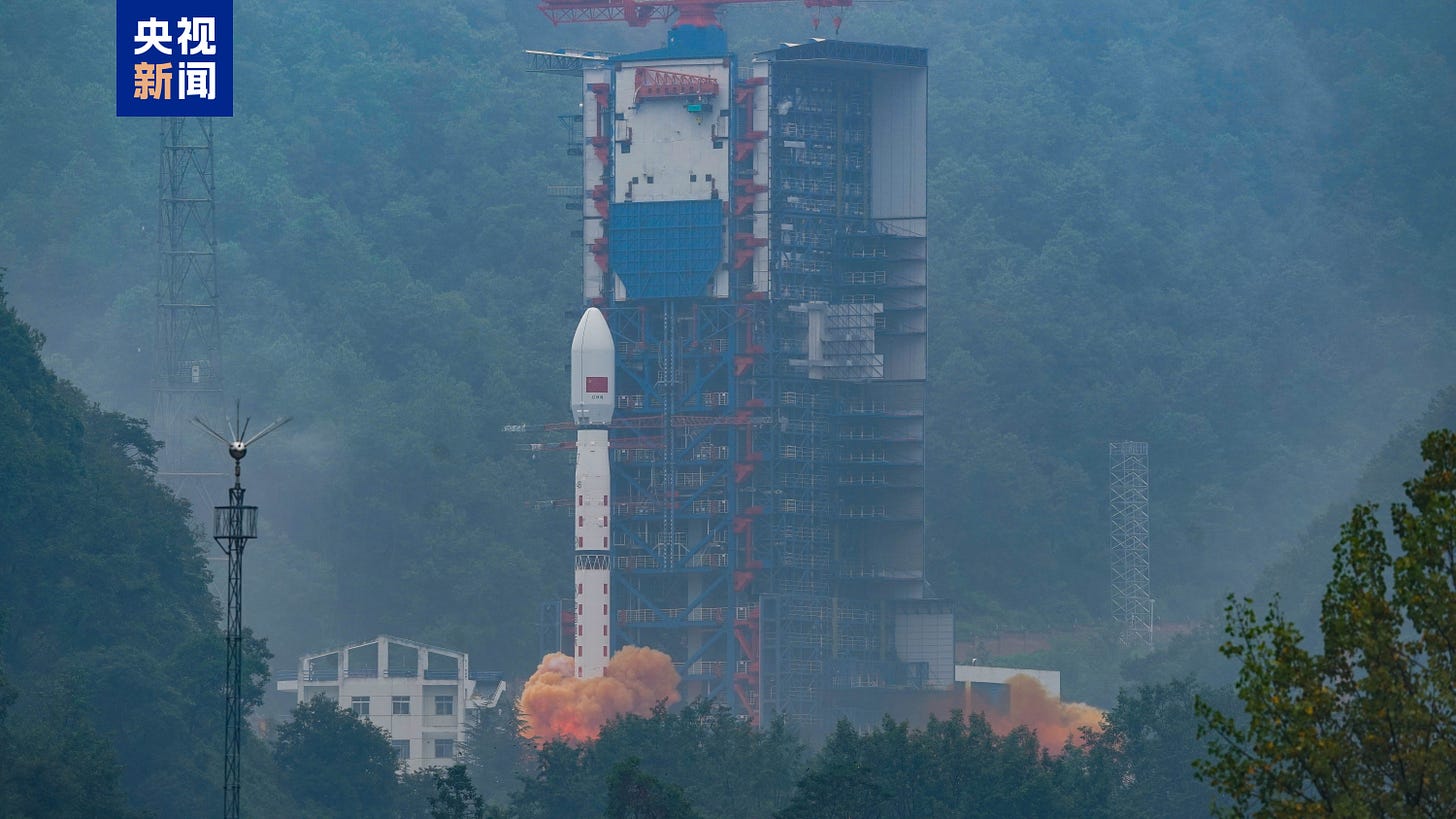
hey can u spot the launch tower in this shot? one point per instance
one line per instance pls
(755, 236)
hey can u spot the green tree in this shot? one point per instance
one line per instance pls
(753, 770)
(414, 792)
(1361, 725)
(68, 770)
(59, 768)
(954, 767)
(494, 751)
(335, 763)
(1146, 749)
(632, 794)
(455, 796)
(561, 786)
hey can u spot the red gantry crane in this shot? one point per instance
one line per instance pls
(700, 13)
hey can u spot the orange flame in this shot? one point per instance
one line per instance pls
(556, 704)
(1054, 721)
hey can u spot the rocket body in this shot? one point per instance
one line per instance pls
(593, 399)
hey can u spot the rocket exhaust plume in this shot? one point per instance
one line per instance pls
(556, 704)
(1055, 722)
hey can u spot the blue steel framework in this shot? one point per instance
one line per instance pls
(767, 512)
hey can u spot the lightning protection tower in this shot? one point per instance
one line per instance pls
(186, 379)
(233, 526)
(1132, 603)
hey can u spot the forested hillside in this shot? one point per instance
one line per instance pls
(1224, 228)
(111, 657)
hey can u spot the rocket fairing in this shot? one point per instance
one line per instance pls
(593, 398)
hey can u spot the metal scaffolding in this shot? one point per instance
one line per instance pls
(186, 375)
(1132, 602)
(846, 531)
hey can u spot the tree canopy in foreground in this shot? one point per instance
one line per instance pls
(1365, 724)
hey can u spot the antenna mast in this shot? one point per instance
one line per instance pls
(233, 526)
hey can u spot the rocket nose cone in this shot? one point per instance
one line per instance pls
(592, 332)
(593, 362)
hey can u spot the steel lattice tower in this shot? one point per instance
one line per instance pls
(233, 526)
(186, 376)
(1132, 603)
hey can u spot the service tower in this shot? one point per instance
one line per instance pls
(755, 239)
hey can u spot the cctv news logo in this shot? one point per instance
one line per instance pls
(174, 58)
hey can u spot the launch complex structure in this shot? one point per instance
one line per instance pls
(754, 240)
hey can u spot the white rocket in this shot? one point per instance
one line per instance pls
(593, 397)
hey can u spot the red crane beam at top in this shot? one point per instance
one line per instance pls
(637, 13)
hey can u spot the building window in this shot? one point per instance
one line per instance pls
(401, 705)
(444, 748)
(444, 706)
(401, 748)
(359, 705)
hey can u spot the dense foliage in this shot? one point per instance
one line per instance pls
(1147, 748)
(752, 772)
(1362, 724)
(954, 767)
(111, 638)
(632, 794)
(494, 752)
(334, 763)
(455, 796)
(700, 762)
(59, 770)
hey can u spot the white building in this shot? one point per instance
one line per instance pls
(419, 694)
(992, 684)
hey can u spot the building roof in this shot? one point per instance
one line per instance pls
(846, 51)
(391, 638)
(684, 42)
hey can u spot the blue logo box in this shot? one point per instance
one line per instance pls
(174, 58)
